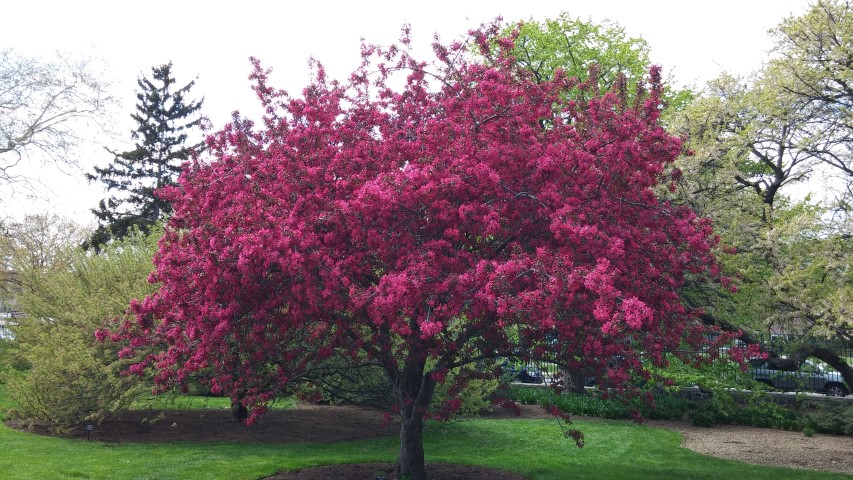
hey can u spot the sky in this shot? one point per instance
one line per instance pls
(212, 41)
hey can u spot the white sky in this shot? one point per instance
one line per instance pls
(213, 40)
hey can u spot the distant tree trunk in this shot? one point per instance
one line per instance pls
(239, 411)
(574, 382)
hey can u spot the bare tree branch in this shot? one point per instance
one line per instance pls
(46, 107)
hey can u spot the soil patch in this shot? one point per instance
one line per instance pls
(369, 471)
(767, 446)
(304, 423)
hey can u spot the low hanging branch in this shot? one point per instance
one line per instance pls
(793, 359)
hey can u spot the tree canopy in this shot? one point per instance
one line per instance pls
(574, 46)
(423, 228)
(34, 245)
(814, 65)
(756, 141)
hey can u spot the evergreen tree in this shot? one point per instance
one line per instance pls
(165, 116)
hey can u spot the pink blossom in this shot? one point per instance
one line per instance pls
(419, 224)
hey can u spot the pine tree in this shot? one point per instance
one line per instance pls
(165, 116)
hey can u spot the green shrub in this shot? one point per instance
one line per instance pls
(10, 359)
(72, 378)
(666, 406)
(830, 417)
(824, 417)
(758, 412)
(769, 415)
(719, 409)
(70, 383)
(474, 394)
(703, 417)
(715, 376)
(529, 395)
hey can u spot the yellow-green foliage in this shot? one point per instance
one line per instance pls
(73, 378)
(475, 395)
(573, 45)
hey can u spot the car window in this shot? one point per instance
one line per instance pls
(809, 367)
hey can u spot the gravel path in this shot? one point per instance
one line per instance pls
(764, 446)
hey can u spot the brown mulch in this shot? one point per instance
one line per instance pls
(317, 423)
(304, 423)
(369, 471)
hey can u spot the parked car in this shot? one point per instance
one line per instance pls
(530, 375)
(522, 373)
(810, 377)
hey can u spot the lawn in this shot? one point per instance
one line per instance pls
(533, 447)
(194, 402)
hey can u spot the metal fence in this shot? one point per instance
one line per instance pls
(812, 375)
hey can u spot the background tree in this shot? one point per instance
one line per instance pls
(752, 143)
(424, 230)
(165, 117)
(814, 65)
(574, 46)
(35, 244)
(71, 378)
(40, 242)
(42, 106)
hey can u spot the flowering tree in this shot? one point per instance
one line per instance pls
(421, 229)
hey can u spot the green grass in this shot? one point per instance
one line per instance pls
(533, 447)
(192, 402)
(5, 402)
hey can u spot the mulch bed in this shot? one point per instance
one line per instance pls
(369, 471)
(305, 423)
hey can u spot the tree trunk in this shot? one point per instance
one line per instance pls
(831, 358)
(414, 393)
(238, 411)
(411, 459)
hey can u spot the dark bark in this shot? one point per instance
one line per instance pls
(802, 352)
(411, 459)
(745, 336)
(415, 393)
(239, 411)
(574, 382)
